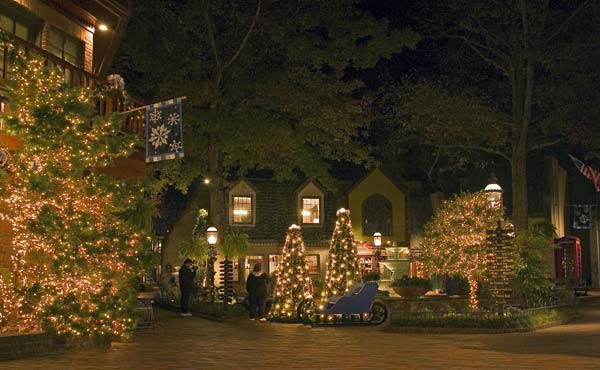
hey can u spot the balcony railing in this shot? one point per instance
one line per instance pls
(74, 75)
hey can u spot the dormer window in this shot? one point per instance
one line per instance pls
(242, 204)
(242, 209)
(310, 204)
(311, 210)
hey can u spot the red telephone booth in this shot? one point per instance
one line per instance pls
(567, 260)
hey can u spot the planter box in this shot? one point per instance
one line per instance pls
(410, 291)
(38, 344)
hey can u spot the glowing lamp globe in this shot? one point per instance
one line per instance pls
(377, 239)
(494, 193)
(212, 235)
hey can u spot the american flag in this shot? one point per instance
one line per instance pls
(587, 171)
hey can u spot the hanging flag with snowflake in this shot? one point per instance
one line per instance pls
(164, 131)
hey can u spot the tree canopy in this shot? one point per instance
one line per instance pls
(267, 83)
(515, 78)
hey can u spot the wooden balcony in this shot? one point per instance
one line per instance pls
(74, 76)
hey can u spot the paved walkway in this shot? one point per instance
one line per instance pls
(194, 343)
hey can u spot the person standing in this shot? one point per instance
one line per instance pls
(256, 286)
(187, 274)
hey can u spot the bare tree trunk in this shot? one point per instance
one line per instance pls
(519, 187)
(216, 189)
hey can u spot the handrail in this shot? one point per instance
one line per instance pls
(85, 78)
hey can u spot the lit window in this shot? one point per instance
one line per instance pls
(311, 210)
(249, 265)
(242, 210)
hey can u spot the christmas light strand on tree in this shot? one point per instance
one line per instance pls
(293, 279)
(74, 258)
(342, 265)
(454, 241)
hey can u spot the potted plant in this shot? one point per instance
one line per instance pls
(411, 286)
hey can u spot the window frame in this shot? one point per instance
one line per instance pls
(20, 14)
(251, 211)
(320, 210)
(65, 36)
(387, 233)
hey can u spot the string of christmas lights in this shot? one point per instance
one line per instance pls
(454, 241)
(74, 259)
(293, 279)
(342, 264)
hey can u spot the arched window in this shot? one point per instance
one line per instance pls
(377, 215)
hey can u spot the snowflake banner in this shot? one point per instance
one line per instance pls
(164, 131)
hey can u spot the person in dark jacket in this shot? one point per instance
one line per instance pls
(187, 274)
(256, 286)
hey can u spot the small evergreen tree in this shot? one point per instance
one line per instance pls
(342, 265)
(293, 279)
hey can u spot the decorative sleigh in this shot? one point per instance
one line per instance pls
(357, 306)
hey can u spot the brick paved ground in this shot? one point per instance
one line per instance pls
(194, 343)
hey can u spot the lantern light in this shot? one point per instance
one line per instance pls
(377, 239)
(212, 235)
(494, 192)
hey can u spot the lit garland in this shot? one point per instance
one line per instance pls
(454, 241)
(74, 259)
(293, 279)
(342, 265)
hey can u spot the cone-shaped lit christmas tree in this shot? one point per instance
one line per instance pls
(293, 280)
(342, 265)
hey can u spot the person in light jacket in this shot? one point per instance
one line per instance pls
(256, 286)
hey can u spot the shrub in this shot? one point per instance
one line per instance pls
(530, 284)
(406, 281)
(371, 276)
(511, 320)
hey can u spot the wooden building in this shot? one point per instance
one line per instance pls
(78, 37)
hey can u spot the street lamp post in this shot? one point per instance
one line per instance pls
(212, 236)
(377, 242)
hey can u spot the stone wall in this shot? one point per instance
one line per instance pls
(37, 344)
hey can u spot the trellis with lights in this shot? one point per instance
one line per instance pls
(342, 265)
(74, 259)
(293, 279)
(500, 263)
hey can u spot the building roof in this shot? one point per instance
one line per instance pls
(92, 13)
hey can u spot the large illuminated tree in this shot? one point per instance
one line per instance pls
(74, 258)
(293, 279)
(342, 265)
(454, 240)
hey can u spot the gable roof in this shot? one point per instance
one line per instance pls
(399, 186)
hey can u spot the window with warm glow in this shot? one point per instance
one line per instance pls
(249, 265)
(242, 210)
(311, 210)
